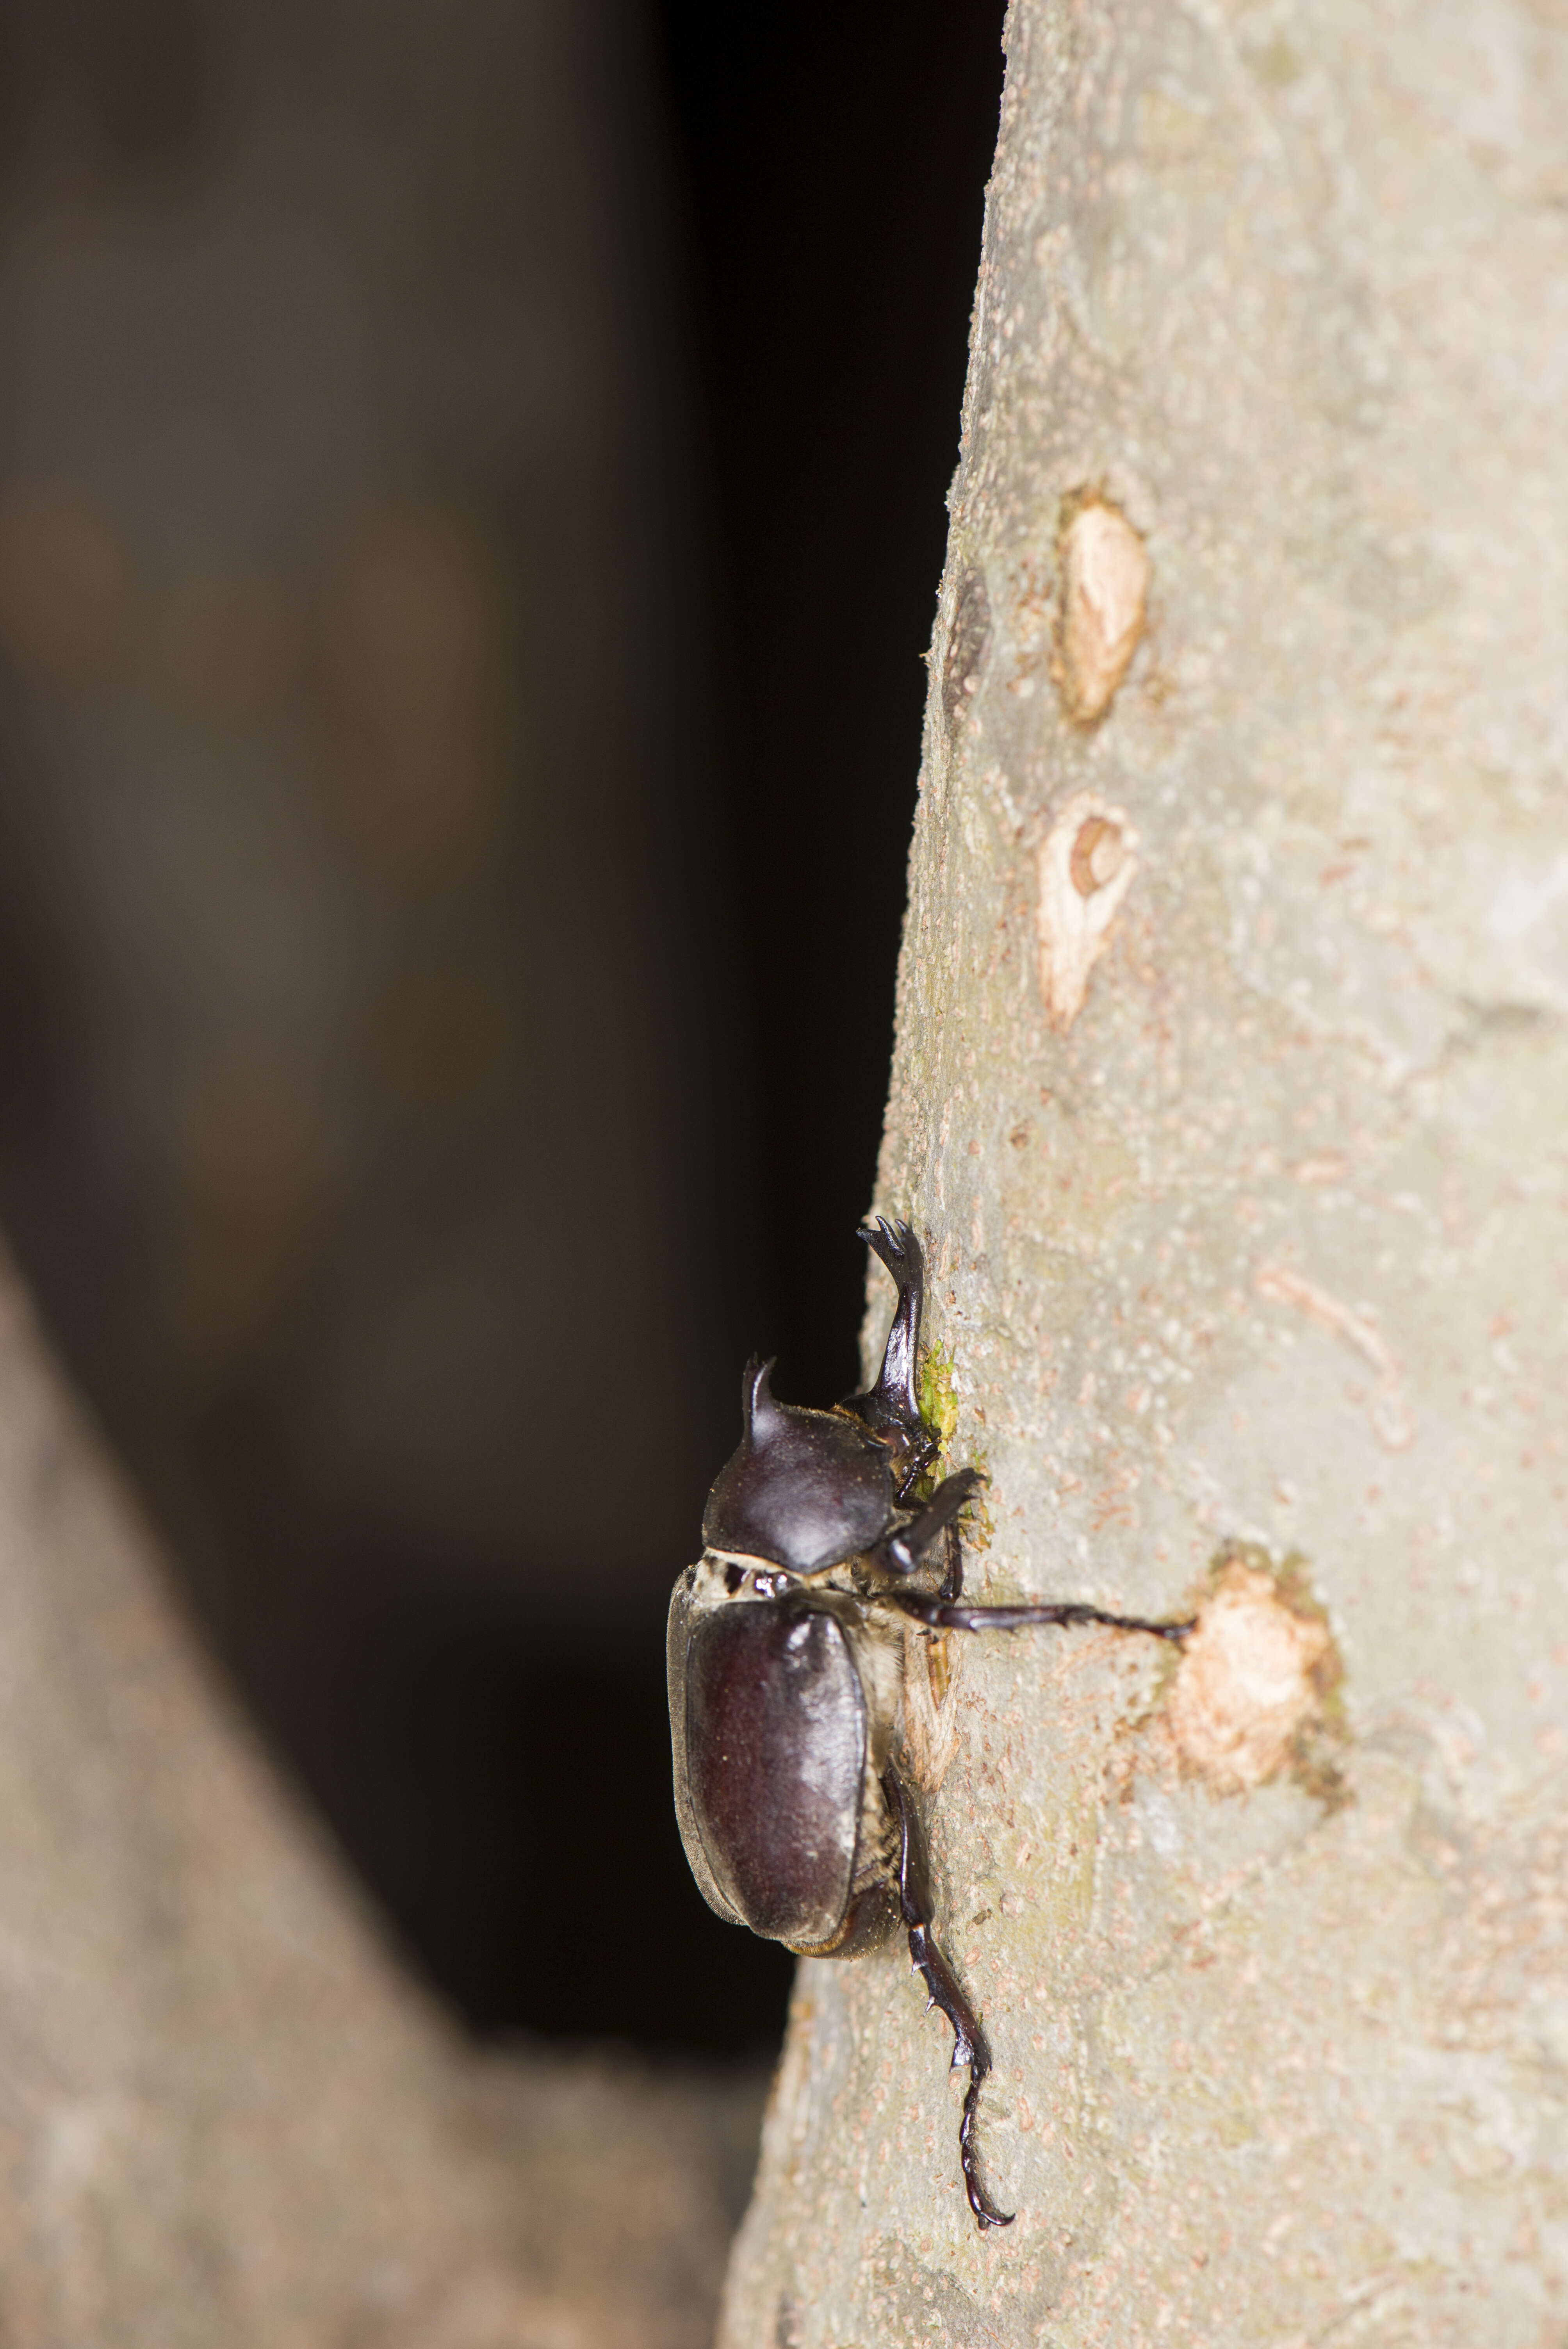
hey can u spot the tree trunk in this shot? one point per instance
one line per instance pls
(1230, 1092)
(225, 2119)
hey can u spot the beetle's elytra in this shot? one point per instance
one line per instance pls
(792, 1787)
(764, 1684)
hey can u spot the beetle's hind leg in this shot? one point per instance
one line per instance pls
(891, 1407)
(969, 2042)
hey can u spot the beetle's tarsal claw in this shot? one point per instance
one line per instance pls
(980, 2202)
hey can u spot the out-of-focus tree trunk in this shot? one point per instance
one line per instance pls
(225, 2119)
(1231, 1093)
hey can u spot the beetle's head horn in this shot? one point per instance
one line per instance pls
(759, 1410)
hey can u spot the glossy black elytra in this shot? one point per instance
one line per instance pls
(786, 1640)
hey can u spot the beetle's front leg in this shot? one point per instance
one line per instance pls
(904, 1552)
(892, 1406)
(969, 2042)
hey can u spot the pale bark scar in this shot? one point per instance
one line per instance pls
(933, 1665)
(1105, 589)
(1252, 1683)
(1085, 865)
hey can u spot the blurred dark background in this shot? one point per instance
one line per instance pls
(471, 487)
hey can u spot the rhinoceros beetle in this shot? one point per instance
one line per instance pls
(792, 1785)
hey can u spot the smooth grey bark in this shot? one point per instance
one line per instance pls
(224, 2116)
(1231, 1090)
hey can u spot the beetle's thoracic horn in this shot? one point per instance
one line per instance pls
(759, 1410)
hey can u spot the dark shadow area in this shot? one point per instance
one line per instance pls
(833, 165)
(518, 1824)
(470, 513)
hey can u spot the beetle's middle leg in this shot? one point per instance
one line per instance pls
(969, 2042)
(902, 1553)
(943, 1614)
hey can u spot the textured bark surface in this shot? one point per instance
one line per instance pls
(225, 2117)
(1248, 1204)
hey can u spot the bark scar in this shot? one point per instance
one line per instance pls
(1105, 589)
(1249, 1698)
(1086, 864)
